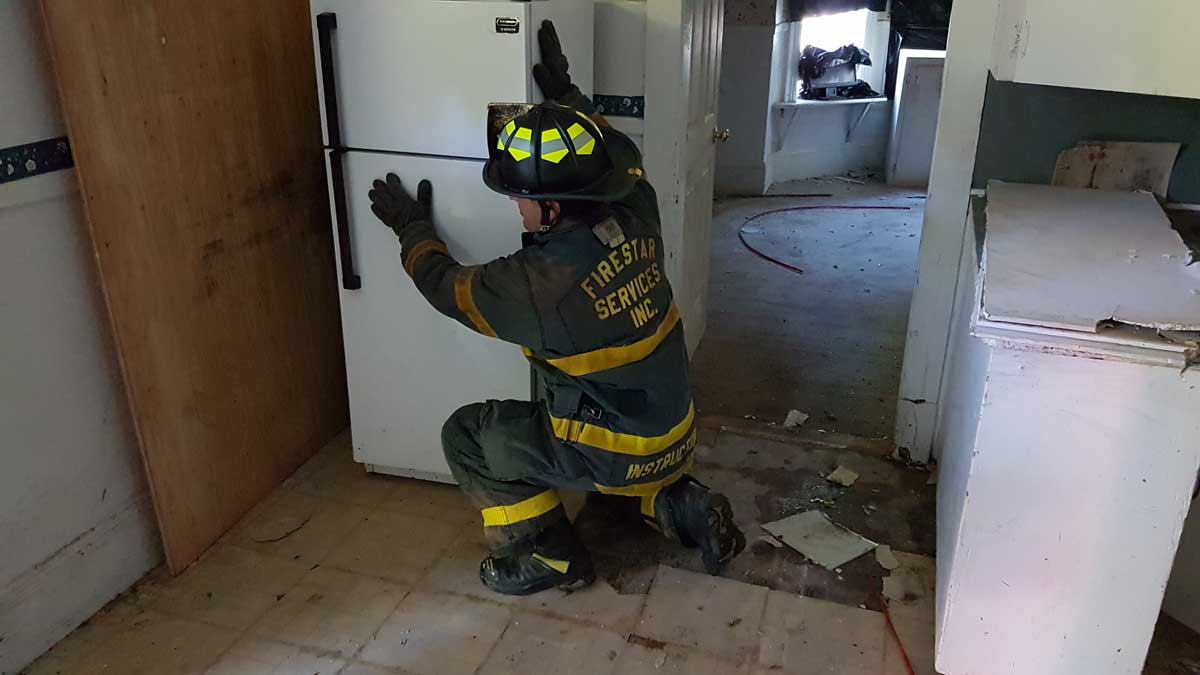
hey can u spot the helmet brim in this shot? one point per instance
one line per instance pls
(614, 186)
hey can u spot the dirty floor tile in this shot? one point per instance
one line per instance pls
(538, 644)
(229, 586)
(647, 657)
(437, 634)
(334, 473)
(331, 609)
(393, 546)
(359, 668)
(599, 605)
(914, 625)
(717, 615)
(296, 526)
(149, 643)
(804, 636)
(251, 656)
(425, 499)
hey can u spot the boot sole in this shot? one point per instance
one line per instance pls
(721, 529)
(568, 584)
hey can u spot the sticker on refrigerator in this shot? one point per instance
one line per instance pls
(511, 25)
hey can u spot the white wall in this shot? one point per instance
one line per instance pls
(75, 519)
(620, 59)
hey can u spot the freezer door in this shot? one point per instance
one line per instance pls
(416, 76)
(408, 367)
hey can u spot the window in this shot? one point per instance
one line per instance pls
(862, 27)
(834, 30)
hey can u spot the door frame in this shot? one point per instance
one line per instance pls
(927, 345)
(665, 140)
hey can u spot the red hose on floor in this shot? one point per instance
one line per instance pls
(793, 268)
(896, 636)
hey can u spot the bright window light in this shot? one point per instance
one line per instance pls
(834, 30)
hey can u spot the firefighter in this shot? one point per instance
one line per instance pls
(589, 301)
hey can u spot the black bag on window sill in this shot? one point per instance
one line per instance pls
(833, 74)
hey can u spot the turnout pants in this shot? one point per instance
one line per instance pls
(508, 460)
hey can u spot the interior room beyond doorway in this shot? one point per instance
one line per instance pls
(820, 328)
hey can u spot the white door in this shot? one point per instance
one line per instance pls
(918, 96)
(683, 67)
(407, 366)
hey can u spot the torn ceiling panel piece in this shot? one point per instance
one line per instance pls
(1075, 258)
(1120, 166)
(819, 539)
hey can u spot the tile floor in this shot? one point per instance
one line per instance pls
(343, 572)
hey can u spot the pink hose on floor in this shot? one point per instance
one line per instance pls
(787, 266)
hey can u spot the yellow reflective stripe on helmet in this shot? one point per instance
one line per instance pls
(521, 146)
(466, 301)
(554, 148)
(614, 357)
(575, 431)
(420, 251)
(584, 141)
(644, 489)
(499, 516)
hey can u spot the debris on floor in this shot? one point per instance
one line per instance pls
(794, 419)
(933, 476)
(768, 539)
(819, 539)
(277, 529)
(842, 476)
(886, 559)
(912, 580)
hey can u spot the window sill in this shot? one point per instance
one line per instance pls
(839, 101)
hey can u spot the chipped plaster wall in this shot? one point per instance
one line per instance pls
(75, 519)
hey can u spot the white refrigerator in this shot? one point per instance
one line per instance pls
(404, 87)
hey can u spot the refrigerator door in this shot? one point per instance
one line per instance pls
(407, 366)
(416, 76)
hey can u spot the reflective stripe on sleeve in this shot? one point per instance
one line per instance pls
(420, 251)
(466, 301)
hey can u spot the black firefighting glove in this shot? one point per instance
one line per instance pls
(552, 76)
(391, 204)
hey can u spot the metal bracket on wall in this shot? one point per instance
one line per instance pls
(866, 108)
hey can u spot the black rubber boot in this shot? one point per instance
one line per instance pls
(554, 559)
(698, 517)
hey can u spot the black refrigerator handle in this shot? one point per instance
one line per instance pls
(326, 23)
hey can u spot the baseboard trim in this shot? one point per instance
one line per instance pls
(44, 604)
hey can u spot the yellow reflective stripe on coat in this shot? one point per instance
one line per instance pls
(420, 251)
(466, 301)
(499, 516)
(575, 431)
(614, 357)
(649, 488)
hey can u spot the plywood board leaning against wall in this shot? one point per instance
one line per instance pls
(196, 134)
